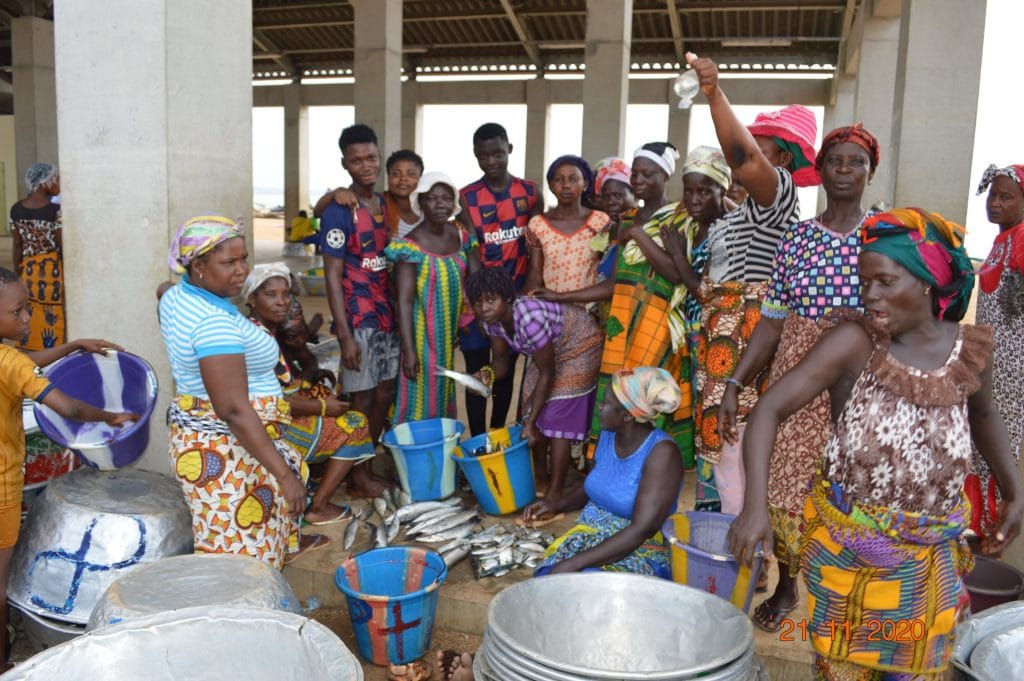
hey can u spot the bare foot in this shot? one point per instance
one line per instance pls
(363, 485)
(327, 513)
(455, 666)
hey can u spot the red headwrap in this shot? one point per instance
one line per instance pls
(856, 134)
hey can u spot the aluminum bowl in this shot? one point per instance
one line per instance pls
(602, 625)
(199, 644)
(999, 656)
(88, 528)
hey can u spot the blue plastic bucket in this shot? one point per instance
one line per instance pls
(119, 381)
(701, 558)
(503, 481)
(392, 596)
(421, 451)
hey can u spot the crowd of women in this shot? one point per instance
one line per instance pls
(814, 373)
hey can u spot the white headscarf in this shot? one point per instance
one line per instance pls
(427, 183)
(665, 160)
(261, 273)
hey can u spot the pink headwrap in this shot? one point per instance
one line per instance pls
(796, 126)
(611, 168)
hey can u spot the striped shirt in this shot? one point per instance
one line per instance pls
(195, 324)
(742, 243)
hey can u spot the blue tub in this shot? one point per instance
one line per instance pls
(421, 451)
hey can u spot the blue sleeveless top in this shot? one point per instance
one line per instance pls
(614, 482)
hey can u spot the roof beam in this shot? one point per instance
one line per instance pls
(841, 58)
(531, 50)
(677, 31)
(267, 45)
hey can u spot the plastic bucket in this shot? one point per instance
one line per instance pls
(119, 381)
(421, 451)
(992, 582)
(701, 558)
(502, 481)
(392, 596)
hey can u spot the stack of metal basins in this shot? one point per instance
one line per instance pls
(603, 625)
(990, 645)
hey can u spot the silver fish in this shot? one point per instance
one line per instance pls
(530, 547)
(393, 527)
(488, 535)
(455, 555)
(402, 498)
(444, 523)
(471, 382)
(381, 507)
(352, 530)
(372, 528)
(447, 535)
(433, 516)
(381, 536)
(409, 512)
(453, 544)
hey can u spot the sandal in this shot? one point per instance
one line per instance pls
(318, 541)
(345, 514)
(767, 617)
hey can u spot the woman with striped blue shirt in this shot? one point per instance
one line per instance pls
(242, 481)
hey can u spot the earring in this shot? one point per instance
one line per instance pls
(927, 290)
(200, 275)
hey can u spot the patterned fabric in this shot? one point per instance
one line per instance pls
(707, 498)
(20, 379)
(237, 506)
(614, 482)
(646, 392)
(595, 526)
(828, 669)
(794, 129)
(436, 305)
(198, 236)
(815, 272)
(570, 263)
(577, 342)
(709, 161)
(743, 242)
(364, 282)
(885, 588)
(1001, 279)
(1014, 172)
(915, 459)
(611, 168)
(729, 314)
(195, 323)
(42, 271)
(855, 134)
(787, 538)
(498, 219)
(639, 331)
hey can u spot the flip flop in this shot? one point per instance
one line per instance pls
(319, 541)
(346, 513)
(769, 618)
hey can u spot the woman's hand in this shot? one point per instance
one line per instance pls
(727, 415)
(750, 529)
(707, 72)
(541, 510)
(530, 433)
(1011, 513)
(333, 407)
(410, 365)
(98, 347)
(294, 492)
(324, 376)
(564, 568)
(546, 294)
(674, 242)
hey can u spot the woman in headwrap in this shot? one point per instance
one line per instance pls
(322, 428)
(632, 489)
(884, 554)
(243, 483)
(815, 274)
(1001, 306)
(38, 256)
(561, 256)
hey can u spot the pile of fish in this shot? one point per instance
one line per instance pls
(494, 551)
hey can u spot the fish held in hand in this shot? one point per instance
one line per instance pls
(470, 382)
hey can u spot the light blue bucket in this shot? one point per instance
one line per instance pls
(421, 452)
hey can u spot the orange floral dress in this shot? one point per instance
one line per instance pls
(570, 263)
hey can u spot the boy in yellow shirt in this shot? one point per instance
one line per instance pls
(20, 378)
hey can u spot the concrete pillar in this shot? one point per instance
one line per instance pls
(538, 124)
(296, 153)
(378, 70)
(936, 103)
(412, 115)
(837, 114)
(873, 105)
(35, 95)
(606, 86)
(160, 130)
(678, 134)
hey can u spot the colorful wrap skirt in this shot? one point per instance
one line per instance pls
(884, 588)
(43, 276)
(237, 506)
(319, 438)
(594, 526)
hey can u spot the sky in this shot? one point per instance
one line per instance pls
(1001, 99)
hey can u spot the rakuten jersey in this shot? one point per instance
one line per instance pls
(499, 219)
(365, 281)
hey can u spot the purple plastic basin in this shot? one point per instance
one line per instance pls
(119, 381)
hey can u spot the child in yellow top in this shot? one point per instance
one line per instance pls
(21, 377)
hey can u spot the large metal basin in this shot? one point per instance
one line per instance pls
(199, 644)
(210, 579)
(88, 528)
(618, 626)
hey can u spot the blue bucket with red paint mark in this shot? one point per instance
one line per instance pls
(392, 597)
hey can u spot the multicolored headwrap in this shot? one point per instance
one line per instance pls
(611, 168)
(579, 162)
(646, 392)
(931, 248)
(857, 134)
(711, 162)
(200, 235)
(260, 274)
(793, 129)
(1014, 172)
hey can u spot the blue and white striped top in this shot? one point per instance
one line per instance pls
(195, 323)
